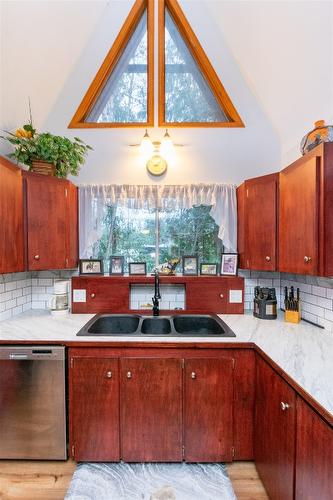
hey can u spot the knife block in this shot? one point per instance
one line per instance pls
(292, 316)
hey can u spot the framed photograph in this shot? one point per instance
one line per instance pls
(229, 263)
(116, 265)
(207, 269)
(91, 266)
(190, 265)
(138, 268)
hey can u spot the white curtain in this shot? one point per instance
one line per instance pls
(94, 200)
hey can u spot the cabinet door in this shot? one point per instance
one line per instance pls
(274, 443)
(208, 425)
(299, 216)
(314, 455)
(261, 223)
(103, 295)
(151, 410)
(94, 409)
(72, 241)
(11, 218)
(46, 222)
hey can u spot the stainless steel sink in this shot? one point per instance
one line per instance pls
(134, 325)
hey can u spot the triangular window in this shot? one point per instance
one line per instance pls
(190, 92)
(122, 91)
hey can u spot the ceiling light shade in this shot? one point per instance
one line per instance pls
(166, 144)
(146, 146)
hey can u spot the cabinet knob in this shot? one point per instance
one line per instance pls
(36, 257)
(193, 375)
(92, 295)
(109, 374)
(129, 374)
(268, 259)
(221, 295)
(284, 406)
(307, 259)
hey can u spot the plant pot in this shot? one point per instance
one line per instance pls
(43, 167)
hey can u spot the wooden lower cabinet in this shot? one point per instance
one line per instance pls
(208, 410)
(151, 409)
(314, 455)
(94, 409)
(275, 428)
(155, 405)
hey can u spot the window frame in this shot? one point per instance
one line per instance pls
(203, 63)
(109, 63)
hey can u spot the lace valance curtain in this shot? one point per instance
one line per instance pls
(94, 200)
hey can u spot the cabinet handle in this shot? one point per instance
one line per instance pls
(307, 259)
(129, 374)
(109, 374)
(92, 295)
(221, 295)
(284, 406)
(36, 257)
(268, 259)
(193, 375)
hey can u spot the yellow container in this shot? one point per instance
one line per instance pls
(292, 316)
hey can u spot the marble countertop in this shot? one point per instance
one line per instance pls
(303, 351)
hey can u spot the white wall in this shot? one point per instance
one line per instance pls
(278, 76)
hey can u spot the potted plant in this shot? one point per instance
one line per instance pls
(46, 153)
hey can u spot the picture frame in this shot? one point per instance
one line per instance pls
(116, 265)
(90, 266)
(208, 269)
(137, 268)
(190, 265)
(229, 264)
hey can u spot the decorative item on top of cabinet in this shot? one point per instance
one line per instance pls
(11, 218)
(51, 222)
(306, 214)
(275, 431)
(257, 201)
(320, 133)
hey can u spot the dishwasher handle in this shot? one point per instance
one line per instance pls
(18, 355)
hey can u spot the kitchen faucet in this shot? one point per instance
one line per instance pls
(157, 295)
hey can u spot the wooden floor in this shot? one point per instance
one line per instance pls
(21, 480)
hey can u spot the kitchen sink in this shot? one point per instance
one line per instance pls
(135, 325)
(156, 326)
(112, 324)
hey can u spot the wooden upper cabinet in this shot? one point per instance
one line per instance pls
(51, 215)
(11, 218)
(257, 223)
(306, 214)
(314, 455)
(275, 431)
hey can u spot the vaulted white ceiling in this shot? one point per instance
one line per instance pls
(275, 59)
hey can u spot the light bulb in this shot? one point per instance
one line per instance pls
(146, 146)
(166, 145)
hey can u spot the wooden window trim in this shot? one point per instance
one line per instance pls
(110, 62)
(202, 61)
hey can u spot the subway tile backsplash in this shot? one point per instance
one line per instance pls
(173, 297)
(20, 292)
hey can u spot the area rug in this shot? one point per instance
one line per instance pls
(122, 481)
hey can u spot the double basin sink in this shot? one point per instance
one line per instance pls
(180, 325)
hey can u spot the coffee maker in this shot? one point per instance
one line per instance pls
(59, 302)
(264, 303)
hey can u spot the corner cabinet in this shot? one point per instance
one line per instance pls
(156, 405)
(51, 223)
(11, 218)
(306, 214)
(275, 431)
(257, 201)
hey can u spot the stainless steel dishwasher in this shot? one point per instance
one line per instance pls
(32, 403)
